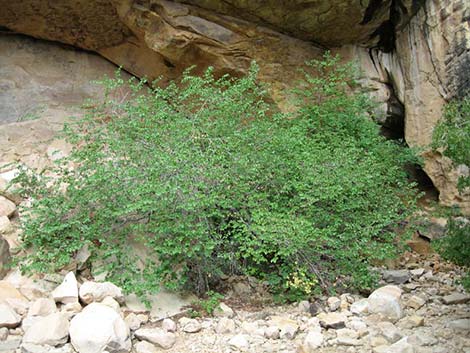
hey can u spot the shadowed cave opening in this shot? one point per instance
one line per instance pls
(393, 128)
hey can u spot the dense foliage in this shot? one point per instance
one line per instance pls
(452, 135)
(210, 179)
(455, 246)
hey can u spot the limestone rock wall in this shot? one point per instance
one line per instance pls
(429, 65)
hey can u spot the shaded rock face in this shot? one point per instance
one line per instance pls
(158, 38)
(36, 76)
(414, 53)
(425, 70)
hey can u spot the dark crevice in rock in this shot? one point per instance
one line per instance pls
(423, 183)
(386, 32)
(371, 10)
(5, 30)
(393, 127)
(168, 63)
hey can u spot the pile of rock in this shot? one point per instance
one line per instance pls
(424, 314)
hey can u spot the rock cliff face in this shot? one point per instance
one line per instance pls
(428, 66)
(414, 53)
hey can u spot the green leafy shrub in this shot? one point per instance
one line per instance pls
(211, 180)
(209, 303)
(455, 246)
(452, 134)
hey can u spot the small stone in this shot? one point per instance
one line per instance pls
(5, 225)
(169, 325)
(386, 301)
(239, 342)
(49, 330)
(71, 308)
(410, 322)
(132, 321)
(272, 332)
(312, 341)
(189, 325)
(8, 317)
(82, 256)
(417, 272)
(29, 321)
(3, 333)
(145, 318)
(361, 307)
(415, 302)
(389, 331)
(288, 328)
(67, 292)
(409, 287)
(377, 341)
(304, 306)
(42, 307)
(145, 347)
(96, 292)
(460, 325)
(333, 303)
(7, 208)
(225, 325)
(157, 336)
(113, 304)
(422, 338)
(10, 345)
(249, 327)
(402, 346)
(396, 276)
(347, 337)
(314, 309)
(332, 320)
(456, 298)
(35, 348)
(223, 310)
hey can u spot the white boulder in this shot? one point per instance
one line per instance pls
(96, 292)
(67, 292)
(7, 208)
(42, 307)
(49, 330)
(98, 328)
(8, 317)
(157, 336)
(386, 301)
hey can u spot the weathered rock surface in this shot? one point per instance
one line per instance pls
(5, 257)
(96, 292)
(8, 317)
(42, 307)
(7, 207)
(425, 68)
(67, 292)
(386, 301)
(49, 330)
(99, 328)
(157, 336)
